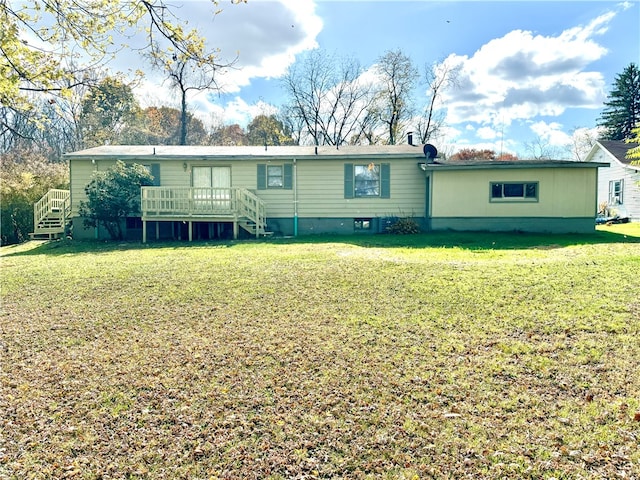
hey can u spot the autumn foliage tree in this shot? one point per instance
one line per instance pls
(162, 126)
(268, 130)
(473, 154)
(24, 178)
(228, 135)
(110, 113)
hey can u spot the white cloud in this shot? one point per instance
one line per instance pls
(487, 133)
(265, 35)
(551, 133)
(522, 75)
(261, 38)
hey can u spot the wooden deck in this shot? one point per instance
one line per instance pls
(238, 206)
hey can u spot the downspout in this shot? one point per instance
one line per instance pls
(96, 229)
(295, 198)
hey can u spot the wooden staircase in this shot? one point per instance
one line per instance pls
(51, 215)
(252, 212)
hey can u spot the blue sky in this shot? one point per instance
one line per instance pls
(530, 71)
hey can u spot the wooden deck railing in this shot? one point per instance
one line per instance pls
(158, 202)
(187, 201)
(54, 201)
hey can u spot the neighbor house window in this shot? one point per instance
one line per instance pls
(514, 191)
(615, 192)
(275, 176)
(367, 180)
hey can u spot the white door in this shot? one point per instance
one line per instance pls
(212, 188)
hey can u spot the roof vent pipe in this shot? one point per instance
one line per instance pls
(410, 138)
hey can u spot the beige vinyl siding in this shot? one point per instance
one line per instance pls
(321, 191)
(81, 174)
(278, 201)
(562, 192)
(319, 185)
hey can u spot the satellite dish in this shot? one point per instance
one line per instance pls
(430, 151)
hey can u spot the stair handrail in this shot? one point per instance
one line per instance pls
(252, 207)
(54, 198)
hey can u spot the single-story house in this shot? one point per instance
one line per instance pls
(206, 192)
(618, 185)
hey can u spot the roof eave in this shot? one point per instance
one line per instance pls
(513, 165)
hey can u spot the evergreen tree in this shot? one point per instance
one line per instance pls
(622, 110)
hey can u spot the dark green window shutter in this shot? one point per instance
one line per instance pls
(288, 176)
(348, 180)
(155, 171)
(262, 176)
(385, 180)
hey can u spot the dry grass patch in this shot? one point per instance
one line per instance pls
(320, 360)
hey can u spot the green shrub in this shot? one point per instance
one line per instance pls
(112, 195)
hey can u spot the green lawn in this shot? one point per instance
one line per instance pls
(429, 356)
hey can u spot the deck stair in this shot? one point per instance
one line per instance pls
(252, 213)
(51, 215)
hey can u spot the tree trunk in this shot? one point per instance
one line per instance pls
(183, 119)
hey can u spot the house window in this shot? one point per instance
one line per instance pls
(367, 180)
(615, 192)
(275, 176)
(514, 191)
(362, 224)
(154, 170)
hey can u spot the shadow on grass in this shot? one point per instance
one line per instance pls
(629, 233)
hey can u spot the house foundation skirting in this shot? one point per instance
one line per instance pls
(515, 224)
(176, 226)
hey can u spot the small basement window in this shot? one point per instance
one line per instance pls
(514, 191)
(362, 224)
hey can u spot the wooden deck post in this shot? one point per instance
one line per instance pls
(157, 230)
(235, 229)
(144, 231)
(190, 230)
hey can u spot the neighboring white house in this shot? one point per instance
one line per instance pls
(618, 184)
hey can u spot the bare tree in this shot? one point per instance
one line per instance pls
(294, 124)
(539, 148)
(187, 75)
(582, 141)
(398, 78)
(328, 97)
(438, 78)
(192, 69)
